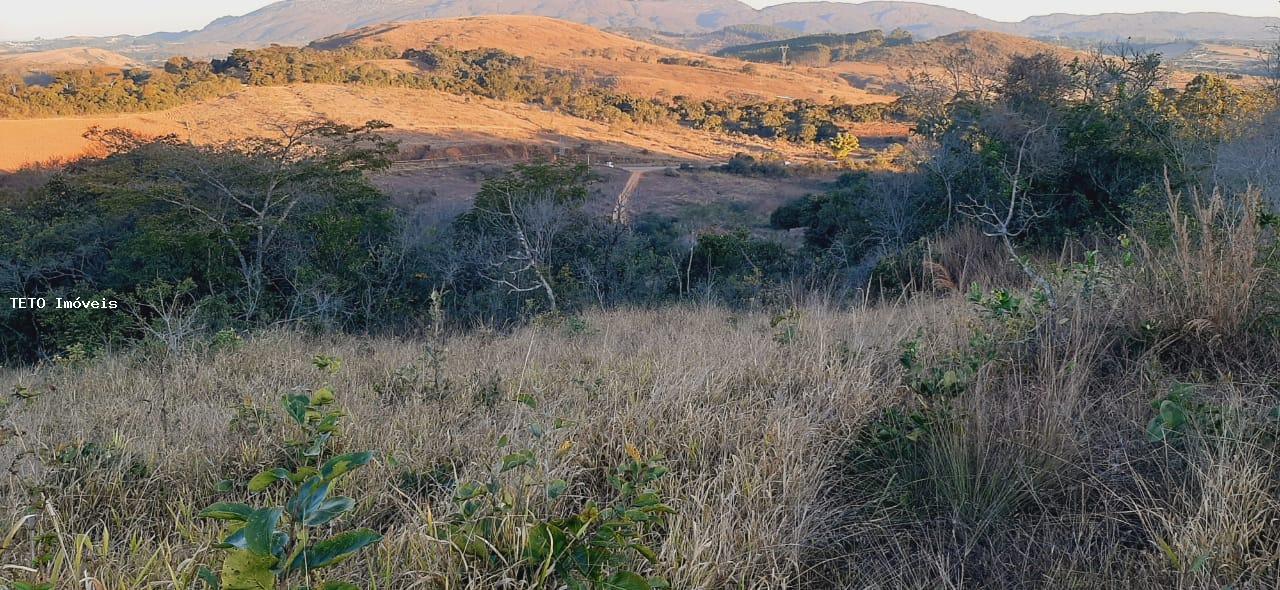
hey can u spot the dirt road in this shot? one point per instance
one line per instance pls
(628, 191)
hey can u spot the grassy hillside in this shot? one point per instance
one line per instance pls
(1032, 346)
(818, 50)
(713, 41)
(631, 66)
(423, 119)
(58, 60)
(942, 441)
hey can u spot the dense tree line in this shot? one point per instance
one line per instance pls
(188, 240)
(289, 230)
(108, 91)
(818, 50)
(1049, 150)
(489, 73)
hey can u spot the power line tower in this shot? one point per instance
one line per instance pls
(784, 54)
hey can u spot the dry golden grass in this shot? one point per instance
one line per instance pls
(748, 427)
(57, 60)
(422, 119)
(1039, 475)
(634, 64)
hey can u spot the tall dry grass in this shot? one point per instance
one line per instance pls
(1038, 474)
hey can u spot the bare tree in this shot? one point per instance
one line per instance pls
(895, 213)
(1011, 218)
(171, 314)
(249, 197)
(970, 76)
(944, 160)
(528, 228)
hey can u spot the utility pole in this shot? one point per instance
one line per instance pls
(784, 54)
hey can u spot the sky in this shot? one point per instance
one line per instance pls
(28, 19)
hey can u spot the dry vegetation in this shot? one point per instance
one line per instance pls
(633, 66)
(57, 60)
(1032, 466)
(424, 120)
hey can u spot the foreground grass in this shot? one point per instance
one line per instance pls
(748, 427)
(1014, 447)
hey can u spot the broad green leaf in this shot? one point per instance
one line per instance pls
(323, 397)
(545, 541)
(557, 488)
(468, 491)
(234, 540)
(647, 499)
(317, 445)
(1172, 415)
(243, 570)
(311, 494)
(340, 465)
(333, 550)
(1155, 430)
(209, 578)
(329, 424)
(329, 510)
(264, 480)
(625, 581)
(228, 511)
(296, 407)
(303, 473)
(645, 551)
(468, 539)
(259, 531)
(515, 460)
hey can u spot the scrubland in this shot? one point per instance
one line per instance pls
(1120, 434)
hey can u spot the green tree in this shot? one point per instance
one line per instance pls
(843, 146)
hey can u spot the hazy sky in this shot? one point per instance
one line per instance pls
(26, 19)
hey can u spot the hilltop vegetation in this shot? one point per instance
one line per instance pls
(488, 73)
(41, 63)
(817, 50)
(1032, 347)
(713, 41)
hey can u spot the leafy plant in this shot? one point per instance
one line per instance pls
(1177, 410)
(949, 376)
(592, 548)
(787, 326)
(269, 546)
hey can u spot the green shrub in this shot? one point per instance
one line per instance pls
(270, 546)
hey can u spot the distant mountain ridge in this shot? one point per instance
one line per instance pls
(301, 21)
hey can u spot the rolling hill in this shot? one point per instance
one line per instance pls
(429, 124)
(986, 47)
(878, 63)
(1149, 26)
(630, 66)
(710, 42)
(39, 63)
(819, 49)
(301, 21)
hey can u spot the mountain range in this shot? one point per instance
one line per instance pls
(301, 21)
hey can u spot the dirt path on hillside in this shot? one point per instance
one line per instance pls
(620, 210)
